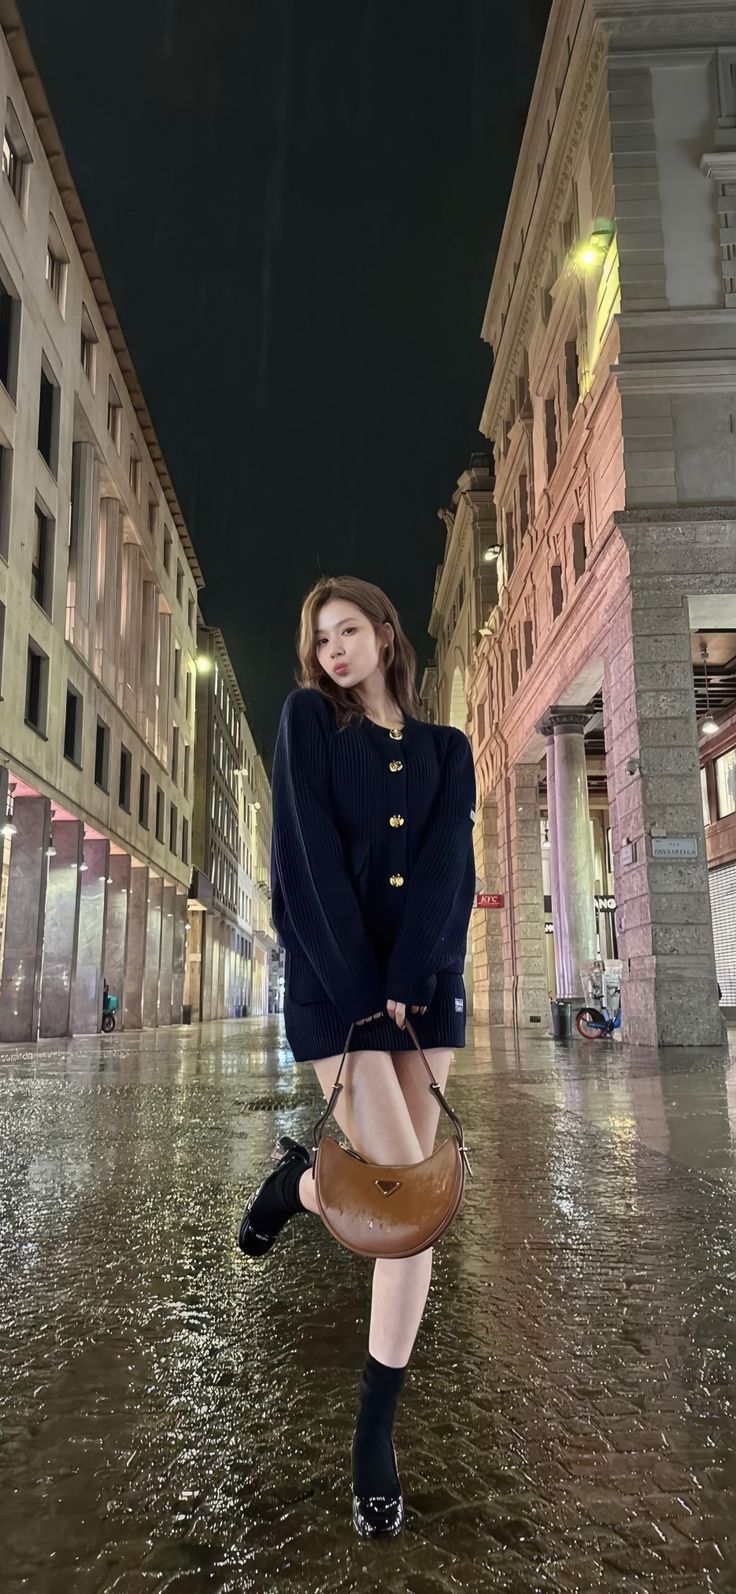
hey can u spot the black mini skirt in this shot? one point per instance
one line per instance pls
(316, 1030)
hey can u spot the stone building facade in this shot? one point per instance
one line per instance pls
(611, 414)
(98, 598)
(229, 939)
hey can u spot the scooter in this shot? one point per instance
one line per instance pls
(109, 1009)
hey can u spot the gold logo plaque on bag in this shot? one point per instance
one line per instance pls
(351, 1193)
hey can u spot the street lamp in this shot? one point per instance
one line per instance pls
(709, 726)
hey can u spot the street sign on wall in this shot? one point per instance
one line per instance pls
(490, 899)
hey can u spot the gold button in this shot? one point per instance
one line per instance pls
(397, 880)
(396, 734)
(395, 821)
(395, 765)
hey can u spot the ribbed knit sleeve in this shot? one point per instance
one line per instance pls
(438, 896)
(309, 863)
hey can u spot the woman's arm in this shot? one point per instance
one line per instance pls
(437, 908)
(309, 864)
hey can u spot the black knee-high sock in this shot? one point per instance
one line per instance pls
(374, 1469)
(280, 1199)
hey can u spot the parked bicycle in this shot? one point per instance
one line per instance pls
(595, 1023)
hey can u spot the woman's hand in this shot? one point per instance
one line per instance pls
(397, 1011)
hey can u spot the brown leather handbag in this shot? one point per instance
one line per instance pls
(388, 1211)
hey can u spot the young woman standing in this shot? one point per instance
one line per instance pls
(373, 880)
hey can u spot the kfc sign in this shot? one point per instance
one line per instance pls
(490, 899)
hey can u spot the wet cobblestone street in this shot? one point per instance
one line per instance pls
(174, 1418)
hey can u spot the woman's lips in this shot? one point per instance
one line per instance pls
(341, 669)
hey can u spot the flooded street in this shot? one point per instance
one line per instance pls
(176, 1418)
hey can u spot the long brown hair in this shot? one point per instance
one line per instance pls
(400, 660)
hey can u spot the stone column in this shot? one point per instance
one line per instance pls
(208, 937)
(547, 730)
(669, 994)
(179, 956)
(136, 958)
(520, 844)
(116, 932)
(62, 920)
(573, 892)
(486, 925)
(87, 979)
(167, 954)
(153, 951)
(20, 994)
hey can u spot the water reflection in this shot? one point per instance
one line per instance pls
(174, 1418)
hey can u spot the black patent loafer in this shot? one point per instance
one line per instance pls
(376, 1517)
(255, 1236)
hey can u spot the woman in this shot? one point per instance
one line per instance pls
(373, 880)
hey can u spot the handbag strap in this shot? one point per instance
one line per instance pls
(434, 1087)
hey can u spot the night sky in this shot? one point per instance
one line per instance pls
(297, 205)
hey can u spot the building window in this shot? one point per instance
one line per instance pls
(177, 672)
(191, 612)
(726, 783)
(179, 583)
(102, 756)
(167, 552)
(523, 506)
(188, 695)
(550, 434)
(42, 559)
(185, 776)
(16, 157)
(114, 414)
(37, 671)
(6, 482)
(173, 827)
(73, 726)
(514, 669)
(152, 514)
(556, 575)
(88, 348)
(175, 755)
(579, 551)
(185, 840)
(572, 378)
(126, 769)
(705, 799)
(134, 470)
(9, 338)
(57, 265)
(528, 644)
(144, 792)
(510, 545)
(48, 420)
(159, 814)
(481, 722)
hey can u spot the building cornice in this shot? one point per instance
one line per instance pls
(642, 22)
(48, 134)
(717, 375)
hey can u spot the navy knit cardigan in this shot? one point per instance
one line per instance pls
(373, 874)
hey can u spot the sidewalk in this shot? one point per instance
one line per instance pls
(176, 1419)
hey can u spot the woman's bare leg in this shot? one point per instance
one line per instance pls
(373, 1112)
(393, 1330)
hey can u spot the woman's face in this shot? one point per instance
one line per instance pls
(346, 644)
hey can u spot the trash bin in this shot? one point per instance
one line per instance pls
(561, 1018)
(186, 1013)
